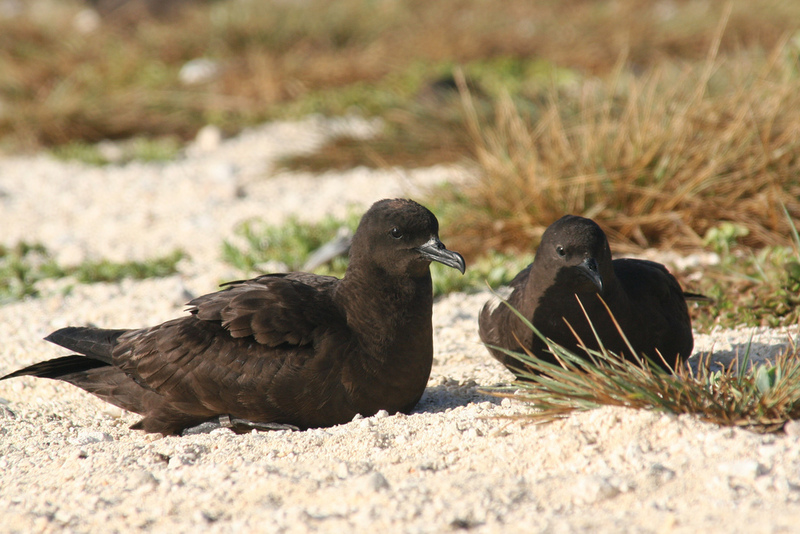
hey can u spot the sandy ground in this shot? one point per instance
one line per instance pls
(69, 463)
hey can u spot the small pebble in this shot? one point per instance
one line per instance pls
(372, 482)
(743, 469)
(591, 489)
(86, 437)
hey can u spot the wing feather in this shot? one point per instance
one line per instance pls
(242, 335)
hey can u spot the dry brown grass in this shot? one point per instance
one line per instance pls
(60, 85)
(656, 159)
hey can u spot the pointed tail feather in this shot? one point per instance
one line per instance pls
(58, 368)
(97, 343)
(93, 376)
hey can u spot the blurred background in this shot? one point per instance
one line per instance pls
(673, 123)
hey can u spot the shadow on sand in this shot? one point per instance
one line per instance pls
(759, 353)
(453, 394)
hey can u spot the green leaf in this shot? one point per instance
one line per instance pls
(764, 379)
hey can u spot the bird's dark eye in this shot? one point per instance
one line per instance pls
(560, 250)
(396, 232)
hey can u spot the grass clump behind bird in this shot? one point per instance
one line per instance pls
(761, 397)
(658, 160)
(748, 288)
(259, 246)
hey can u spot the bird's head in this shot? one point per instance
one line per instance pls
(401, 237)
(576, 250)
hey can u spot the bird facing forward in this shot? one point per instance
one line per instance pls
(289, 349)
(573, 262)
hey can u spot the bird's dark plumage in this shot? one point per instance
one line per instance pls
(297, 348)
(574, 260)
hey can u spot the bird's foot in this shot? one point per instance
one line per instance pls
(239, 426)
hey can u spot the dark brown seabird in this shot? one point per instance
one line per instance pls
(282, 349)
(574, 260)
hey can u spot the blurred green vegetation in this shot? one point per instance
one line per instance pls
(266, 248)
(23, 265)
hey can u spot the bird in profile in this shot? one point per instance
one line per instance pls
(573, 262)
(293, 349)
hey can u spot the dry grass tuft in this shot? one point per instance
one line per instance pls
(761, 397)
(658, 160)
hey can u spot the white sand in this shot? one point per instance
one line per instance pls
(68, 462)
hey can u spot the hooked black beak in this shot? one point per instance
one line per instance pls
(435, 250)
(589, 269)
